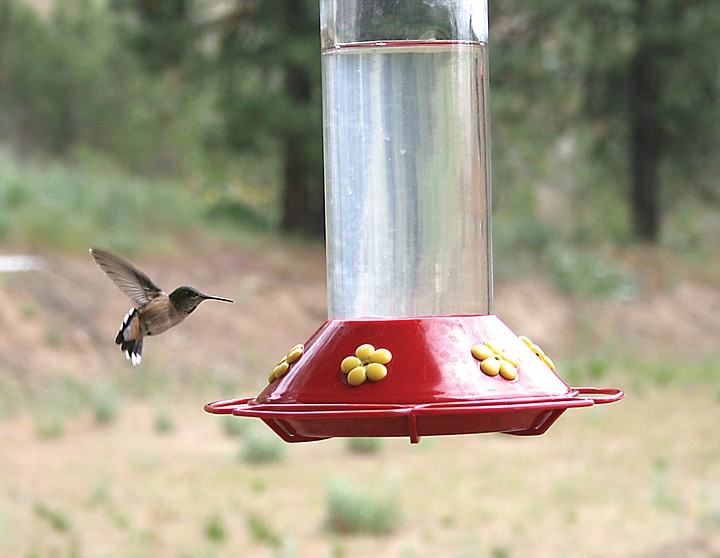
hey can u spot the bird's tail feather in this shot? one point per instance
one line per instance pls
(128, 338)
(132, 350)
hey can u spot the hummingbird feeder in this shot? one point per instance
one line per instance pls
(411, 347)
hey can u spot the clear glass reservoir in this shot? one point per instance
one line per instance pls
(407, 178)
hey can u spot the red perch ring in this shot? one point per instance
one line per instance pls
(413, 377)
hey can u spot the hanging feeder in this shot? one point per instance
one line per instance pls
(411, 347)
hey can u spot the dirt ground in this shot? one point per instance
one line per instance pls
(638, 478)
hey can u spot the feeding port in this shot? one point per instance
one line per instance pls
(411, 347)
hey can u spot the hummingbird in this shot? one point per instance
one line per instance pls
(154, 311)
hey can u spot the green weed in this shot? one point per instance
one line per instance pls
(100, 497)
(164, 423)
(233, 426)
(104, 400)
(500, 552)
(258, 485)
(63, 398)
(100, 493)
(664, 497)
(13, 396)
(57, 519)
(215, 529)
(145, 382)
(337, 550)
(49, 426)
(53, 337)
(354, 508)
(261, 531)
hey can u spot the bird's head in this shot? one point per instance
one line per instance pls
(186, 299)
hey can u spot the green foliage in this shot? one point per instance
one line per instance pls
(354, 508)
(665, 373)
(588, 82)
(519, 239)
(64, 206)
(270, 97)
(590, 273)
(261, 48)
(416, 19)
(237, 213)
(162, 33)
(181, 88)
(67, 83)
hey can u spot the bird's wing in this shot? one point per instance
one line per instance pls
(129, 279)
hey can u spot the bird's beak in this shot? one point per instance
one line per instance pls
(210, 297)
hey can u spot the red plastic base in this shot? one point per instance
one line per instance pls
(434, 384)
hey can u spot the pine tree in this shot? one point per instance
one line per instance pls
(643, 74)
(270, 74)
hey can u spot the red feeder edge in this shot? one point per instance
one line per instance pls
(421, 376)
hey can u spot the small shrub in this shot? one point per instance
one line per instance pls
(49, 426)
(53, 337)
(233, 426)
(594, 274)
(354, 508)
(500, 552)
(364, 445)
(261, 531)
(57, 519)
(215, 530)
(164, 423)
(337, 550)
(62, 398)
(260, 445)
(104, 402)
(663, 477)
(597, 368)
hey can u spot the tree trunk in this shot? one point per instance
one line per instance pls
(646, 137)
(297, 207)
(645, 152)
(302, 204)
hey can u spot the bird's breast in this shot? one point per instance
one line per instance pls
(158, 316)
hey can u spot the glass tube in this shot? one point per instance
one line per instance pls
(407, 177)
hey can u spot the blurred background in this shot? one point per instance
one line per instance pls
(186, 135)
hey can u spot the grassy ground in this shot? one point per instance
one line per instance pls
(632, 479)
(102, 460)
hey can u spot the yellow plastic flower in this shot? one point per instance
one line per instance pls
(539, 352)
(368, 363)
(494, 361)
(285, 362)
